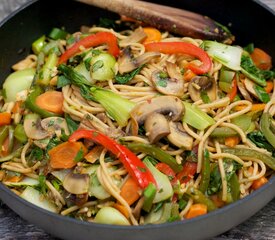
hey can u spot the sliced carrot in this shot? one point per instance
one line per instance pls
(153, 35)
(17, 107)
(269, 86)
(94, 154)
(234, 90)
(188, 75)
(231, 141)
(130, 191)
(259, 183)
(64, 154)
(255, 107)
(14, 179)
(196, 210)
(261, 59)
(5, 118)
(122, 209)
(51, 101)
(217, 201)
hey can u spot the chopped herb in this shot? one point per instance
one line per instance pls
(162, 83)
(262, 94)
(249, 48)
(162, 75)
(204, 96)
(125, 78)
(56, 184)
(72, 125)
(42, 184)
(36, 154)
(97, 65)
(79, 156)
(51, 123)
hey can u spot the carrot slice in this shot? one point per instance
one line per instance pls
(17, 107)
(269, 86)
(188, 75)
(231, 141)
(5, 118)
(153, 35)
(94, 154)
(130, 191)
(64, 155)
(259, 183)
(122, 209)
(261, 59)
(255, 107)
(196, 210)
(51, 101)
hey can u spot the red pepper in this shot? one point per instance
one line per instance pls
(169, 172)
(131, 162)
(234, 90)
(92, 41)
(188, 171)
(183, 48)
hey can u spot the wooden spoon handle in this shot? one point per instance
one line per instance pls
(174, 20)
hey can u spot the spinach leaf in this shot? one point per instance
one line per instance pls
(215, 184)
(260, 141)
(62, 81)
(125, 78)
(72, 125)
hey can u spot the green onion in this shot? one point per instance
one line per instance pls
(57, 33)
(39, 44)
(48, 69)
(149, 195)
(196, 117)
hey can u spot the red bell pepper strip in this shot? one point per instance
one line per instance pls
(92, 41)
(234, 90)
(131, 162)
(188, 171)
(169, 172)
(183, 48)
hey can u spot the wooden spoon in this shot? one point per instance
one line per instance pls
(174, 20)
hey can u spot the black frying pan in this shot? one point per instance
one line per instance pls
(250, 23)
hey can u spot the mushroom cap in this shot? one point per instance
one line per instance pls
(166, 85)
(166, 105)
(54, 124)
(76, 183)
(202, 83)
(32, 127)
(156, 126)
(179, 137)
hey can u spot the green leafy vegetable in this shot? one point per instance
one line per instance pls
(72, 125)
(262, 94)
(62, 81)
(79, 156)
(125, 78)
(42, 184)
(249, 48)
(260, 141)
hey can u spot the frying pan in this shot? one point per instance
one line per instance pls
(250, 22)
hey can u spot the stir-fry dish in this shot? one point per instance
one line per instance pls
(123, 124)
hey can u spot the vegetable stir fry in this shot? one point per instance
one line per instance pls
(123, 124)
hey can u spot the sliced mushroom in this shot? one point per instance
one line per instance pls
(166, 105)
(249, 85)
(127, 63)
(156, 126)
(55, 125)
(167, 86)
(243, 91)
(137, 36)
(76, 183)
(199, 84)
(32, 127)
(179, 137)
